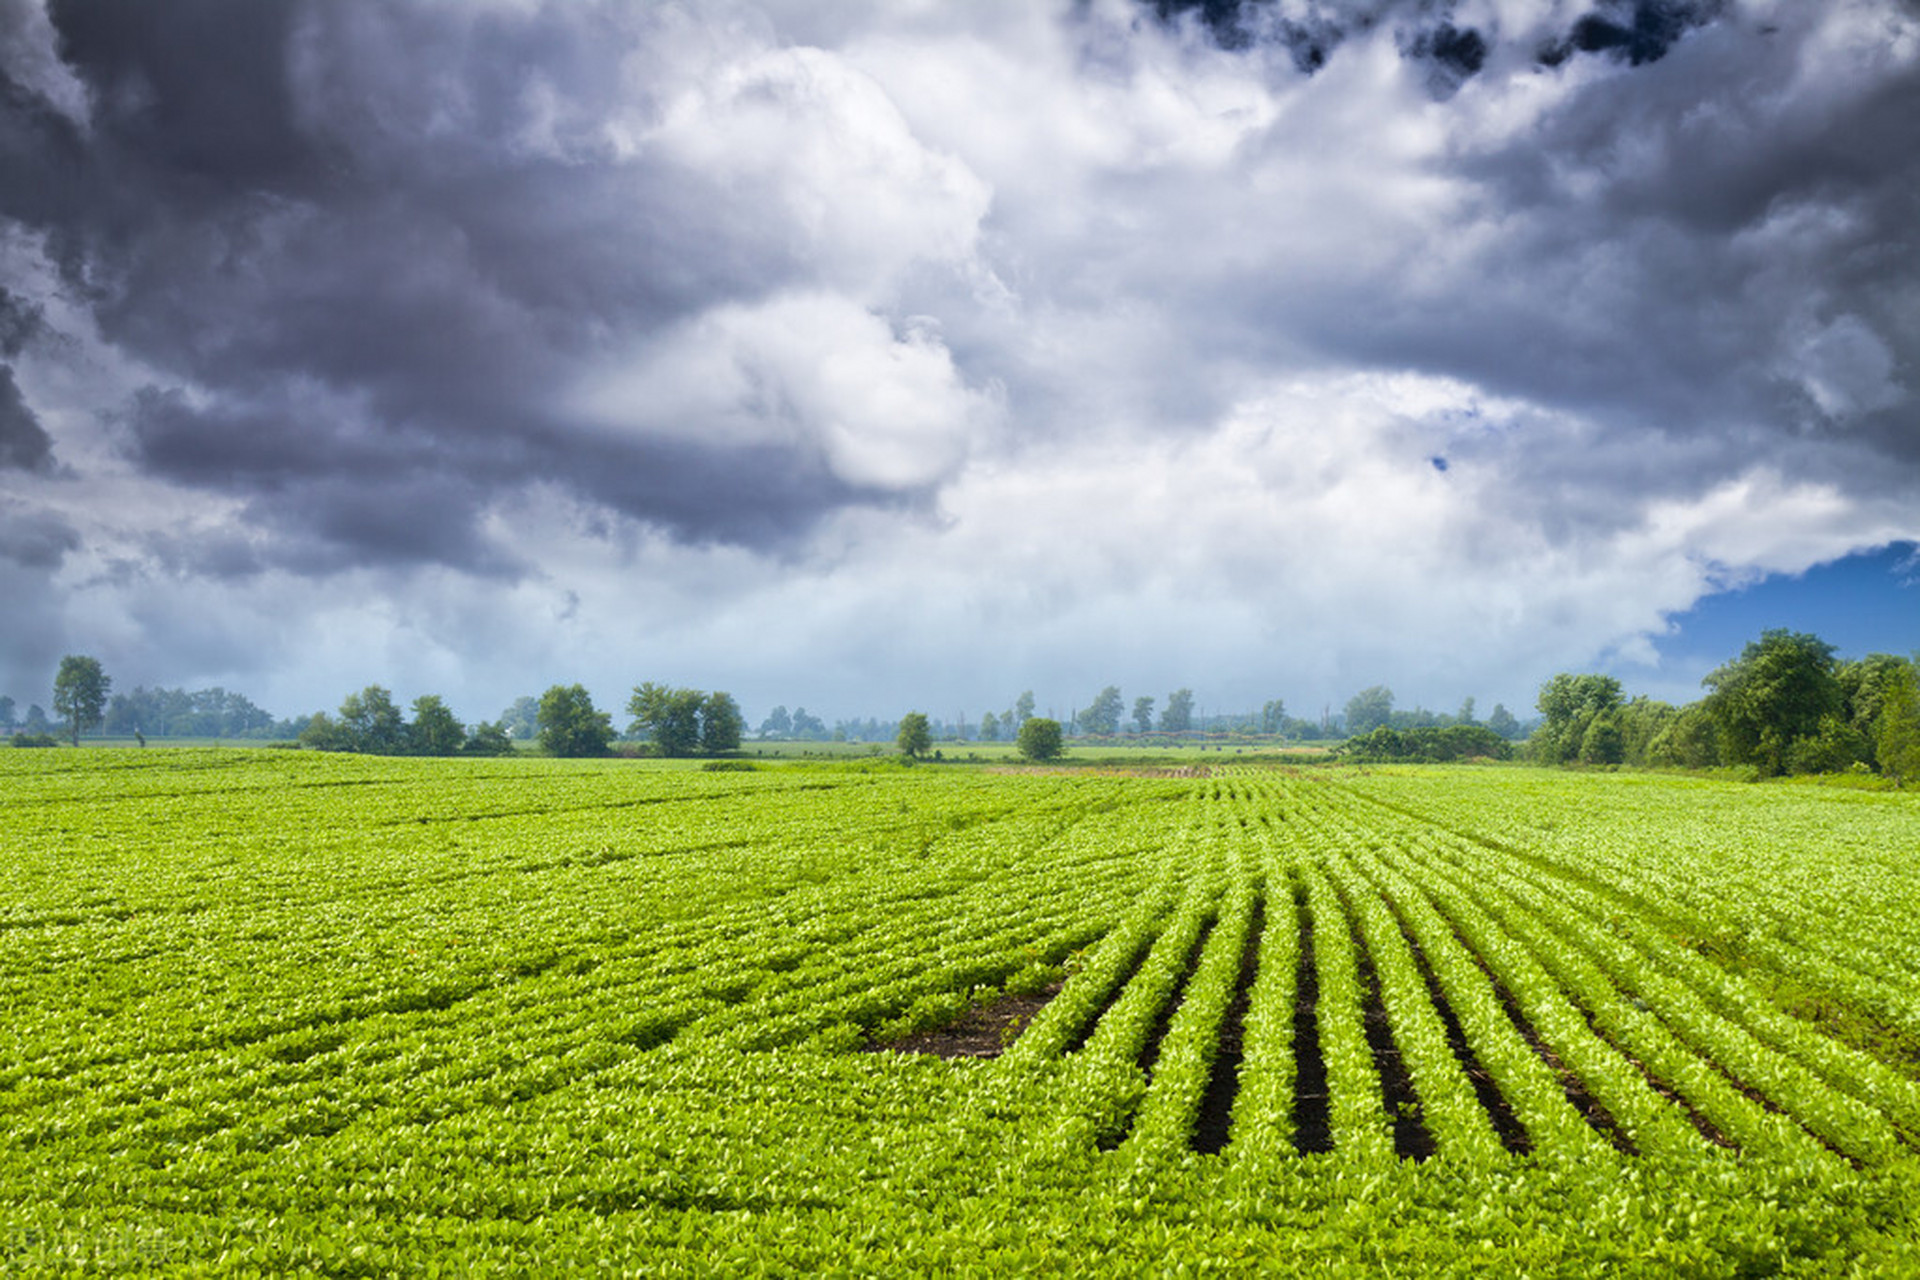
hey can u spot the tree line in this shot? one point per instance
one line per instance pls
(677, 722)
(1787, 705)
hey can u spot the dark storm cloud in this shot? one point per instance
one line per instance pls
(1638, 31)
(35, 539)
(20, 323)
(1745, 266)
(192, 91)
(341, 493)
(328, 223)
(1708, 244)
(24, 443)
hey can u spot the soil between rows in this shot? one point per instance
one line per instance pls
(984, 1031)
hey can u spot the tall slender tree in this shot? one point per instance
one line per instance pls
(80, 693)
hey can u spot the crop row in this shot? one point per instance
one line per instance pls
(1446, 997)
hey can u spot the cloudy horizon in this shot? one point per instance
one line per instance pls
(870, 356)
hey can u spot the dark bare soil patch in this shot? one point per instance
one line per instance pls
(1312, 1106)
(1150, 1047)
(1598, 1118)
(1411, 1139)
(1513, 1134)
(1211, 1128)
(983, 1031)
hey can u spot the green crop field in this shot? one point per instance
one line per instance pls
(280, 1012)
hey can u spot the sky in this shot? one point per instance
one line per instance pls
(872, 355)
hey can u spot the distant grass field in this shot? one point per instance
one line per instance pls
(282, 1011)
(1078, 751)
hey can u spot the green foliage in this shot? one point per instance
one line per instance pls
(1040, 739)
(1369, 709)
(684, 722)
(288, 1013)
(488, 738)
(916, 738)
(34, 740)
(434, 731)
(569, 724)
(1430, 744)
(1640, 722)
(1896, 727)
(1273, 716)
(200, 713)
(80, 693)
(669, 717)
(1103, 717)
(1781, 689)
(1571, 703)
(721, 724)
(323, 733)
(1687, 741)
(1837, 747)
(1863, 690)
(1143, 715)
(522, 719)
(373, 723)
(1603, 742)
(1177, 717)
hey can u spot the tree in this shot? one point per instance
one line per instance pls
(1641, 722)
(1465, 714)
(1039, 739)
(1896, 731)
(7, 705)
(324, 733)
(670, 717)
(916, 737)
(1368, 709)
(569, 725)
(1273, 716)
(1178, 715)
(80, 693)
(36, 721)
(1427, 743)
(434, 731)
(1143, 715)
(683, 722)
(1103, 717)
(809, 727)
(488, 740)
(1688, 741)
(778, 724)
(1571, 703)
(989, 727)
(1603, 742)
(721, 724)
(1863, 690)
(1501, 721)
(1022, 709)
(1779, 690)
(522, 719)
(373, 723)
(1837, 747)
